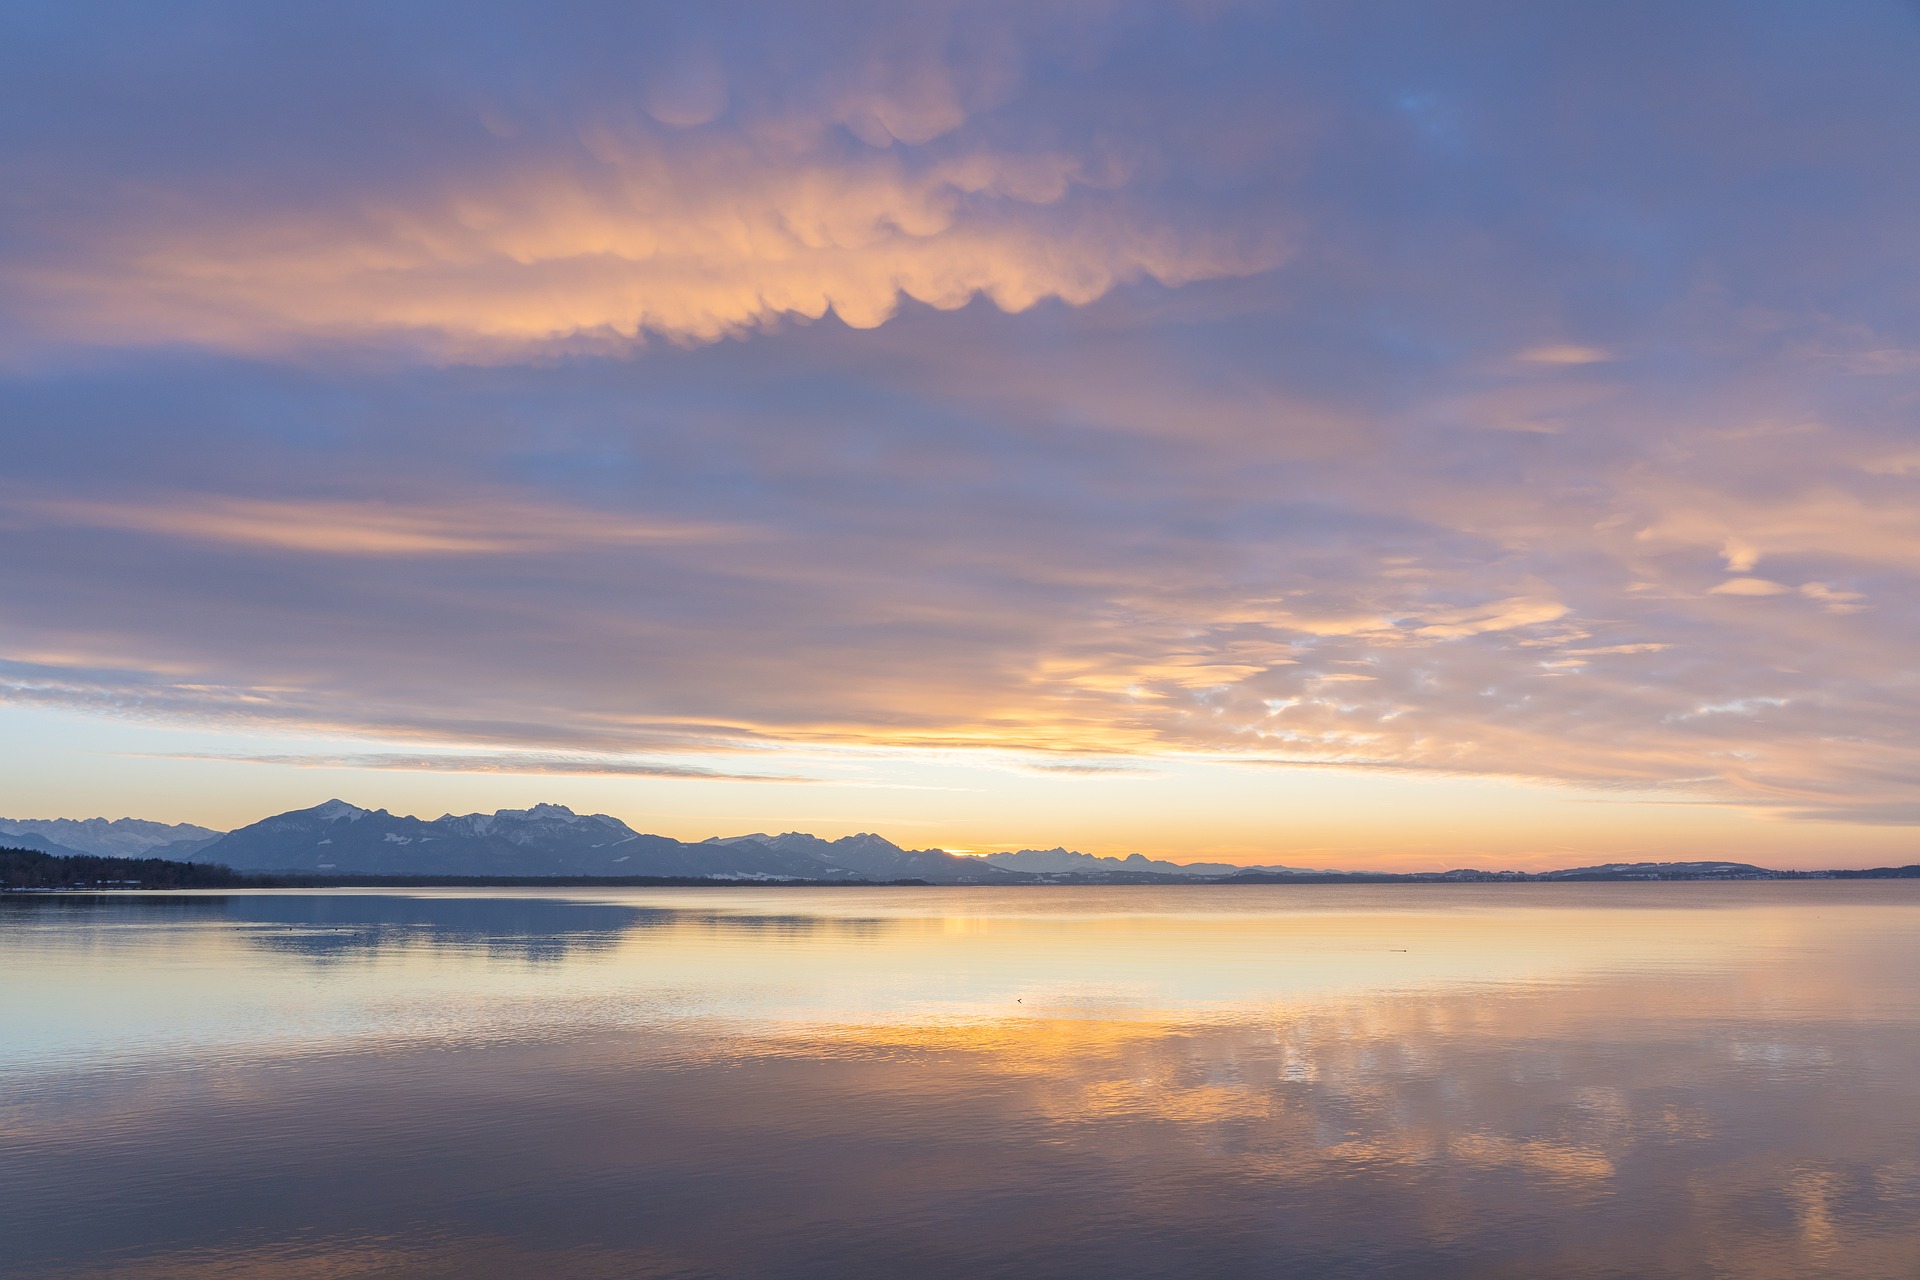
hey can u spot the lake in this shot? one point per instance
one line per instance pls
(1452, 1080)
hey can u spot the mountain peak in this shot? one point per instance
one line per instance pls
(862, 838)
(339, 809)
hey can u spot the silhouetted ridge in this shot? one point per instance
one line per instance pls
(338, 840)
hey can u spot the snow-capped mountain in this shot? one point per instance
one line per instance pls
(552, 840)
(546, 840)
(107, 838)
(337, 838)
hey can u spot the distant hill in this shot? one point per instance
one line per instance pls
(1056, 861)
(39, 844)
(1662, 871)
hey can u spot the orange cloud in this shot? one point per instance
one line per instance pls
(1749, 587)
(361, 528)
(626, 238)
(1565, 353)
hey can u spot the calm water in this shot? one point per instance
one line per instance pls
(1583, 1080)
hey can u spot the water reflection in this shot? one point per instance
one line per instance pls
(1714, 1086)
(331, 926)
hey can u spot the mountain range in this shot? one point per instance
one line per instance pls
(337, 839)
(107, 838)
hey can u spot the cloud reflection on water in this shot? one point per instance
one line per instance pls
(1741, 1105)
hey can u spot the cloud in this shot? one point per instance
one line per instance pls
(1740, 557)
(1748, 587)
(1085, 768)
(1819, 518)
(528, 763)
(1901, 813)
(1565, 353)
(1834, 599)
(1504, 615)
(626, 243)
(357, 527)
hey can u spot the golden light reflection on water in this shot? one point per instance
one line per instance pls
(1676, 1080)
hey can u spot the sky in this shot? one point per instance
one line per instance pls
(1366, 434)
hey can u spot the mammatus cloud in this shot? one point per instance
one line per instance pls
(620, 234)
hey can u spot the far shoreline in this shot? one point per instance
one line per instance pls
(31, 873)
